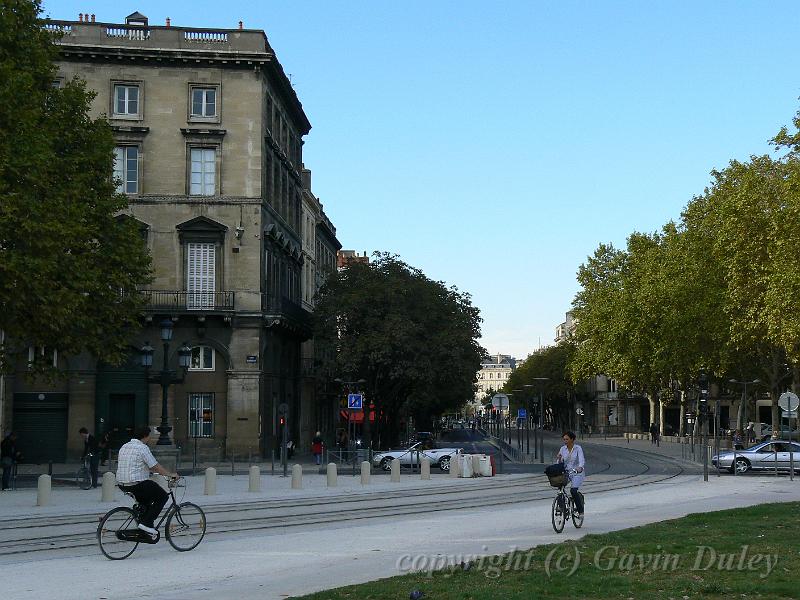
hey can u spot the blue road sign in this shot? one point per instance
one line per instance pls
(354, 401)
(522, 413)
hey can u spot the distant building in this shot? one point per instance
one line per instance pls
(565, 329)
(494, 373)
(345, 257)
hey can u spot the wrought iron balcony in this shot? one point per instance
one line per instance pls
(171, 300)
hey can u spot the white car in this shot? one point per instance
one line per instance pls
(414, 454)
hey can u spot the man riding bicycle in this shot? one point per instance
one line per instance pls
(571, 454)
(134, 464)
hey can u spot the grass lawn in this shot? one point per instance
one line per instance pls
(742, 553)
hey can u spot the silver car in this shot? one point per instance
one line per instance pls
(439, 457)
(762, 456)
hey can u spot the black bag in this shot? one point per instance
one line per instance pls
(556, 469)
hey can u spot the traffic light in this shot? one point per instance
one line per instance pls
(703, 383)
(282, 421)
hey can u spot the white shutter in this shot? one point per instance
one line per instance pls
(200, 276)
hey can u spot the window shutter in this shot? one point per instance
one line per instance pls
(200, 276)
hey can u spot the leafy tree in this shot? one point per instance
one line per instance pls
(412, 339)
(68, 265)
(546, 372)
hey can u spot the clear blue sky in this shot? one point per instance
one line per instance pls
(494, 145)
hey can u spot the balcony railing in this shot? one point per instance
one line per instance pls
(180, 300)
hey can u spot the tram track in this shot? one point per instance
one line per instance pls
(272, 514)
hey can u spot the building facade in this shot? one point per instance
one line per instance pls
(494, 373)
(209, 137)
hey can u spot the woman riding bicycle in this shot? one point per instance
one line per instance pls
(571, 454)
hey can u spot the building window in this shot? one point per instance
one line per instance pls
(203, 180)
(200, 275)
(202, 359)
(204, 103)
(126, 100)
(41, 354)
(126, 169)
(201, 415)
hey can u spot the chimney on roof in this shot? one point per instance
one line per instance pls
(241, 25)
(92, 17)
(168, 22)
(80, 17)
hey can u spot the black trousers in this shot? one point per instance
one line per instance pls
(149, 495)
(94, 466)
(577, 498)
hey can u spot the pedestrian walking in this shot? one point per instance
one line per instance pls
(91, 450)
(750, 433)
(653, 433)
(737, 440)
(9, 457)
(316, 447)
(105, 447)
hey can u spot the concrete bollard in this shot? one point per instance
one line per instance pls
(211, 482)
(425, 469)
(109, 484)
(255, 479)
(476, 465)
(43, 491)
(455, 471)
(395, 470)
(297, 477)
(331, 474)
(366, 471)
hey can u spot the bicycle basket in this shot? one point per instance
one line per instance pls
(558, 481)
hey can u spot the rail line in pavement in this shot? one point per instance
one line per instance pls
(286, 513)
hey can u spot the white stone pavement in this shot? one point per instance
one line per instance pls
(272, 565)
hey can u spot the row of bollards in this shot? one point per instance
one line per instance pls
(254, 484)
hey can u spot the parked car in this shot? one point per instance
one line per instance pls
(785, 433)
(414, 454)
(759, 457)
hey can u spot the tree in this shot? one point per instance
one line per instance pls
(69, 267)
(412, 339)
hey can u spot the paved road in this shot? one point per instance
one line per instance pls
(614, 457)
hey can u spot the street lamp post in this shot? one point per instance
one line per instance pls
(165, 377)
(541, 417)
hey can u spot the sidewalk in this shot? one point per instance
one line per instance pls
(230, 490)
(674, 450)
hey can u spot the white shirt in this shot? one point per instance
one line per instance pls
(134, 462)
(573, 460)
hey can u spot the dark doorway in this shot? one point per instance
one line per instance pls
(121, 419)
(40, 421)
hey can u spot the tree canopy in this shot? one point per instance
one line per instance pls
(68, 264)
(719, 290)
(413, 340)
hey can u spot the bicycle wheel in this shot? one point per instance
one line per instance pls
(84, 478)
(186, 526)
(576, 520)
(559, 513)
(111, 533)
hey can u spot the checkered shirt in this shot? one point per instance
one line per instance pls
(134, 463)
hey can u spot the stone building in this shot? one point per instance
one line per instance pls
(209, 139)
